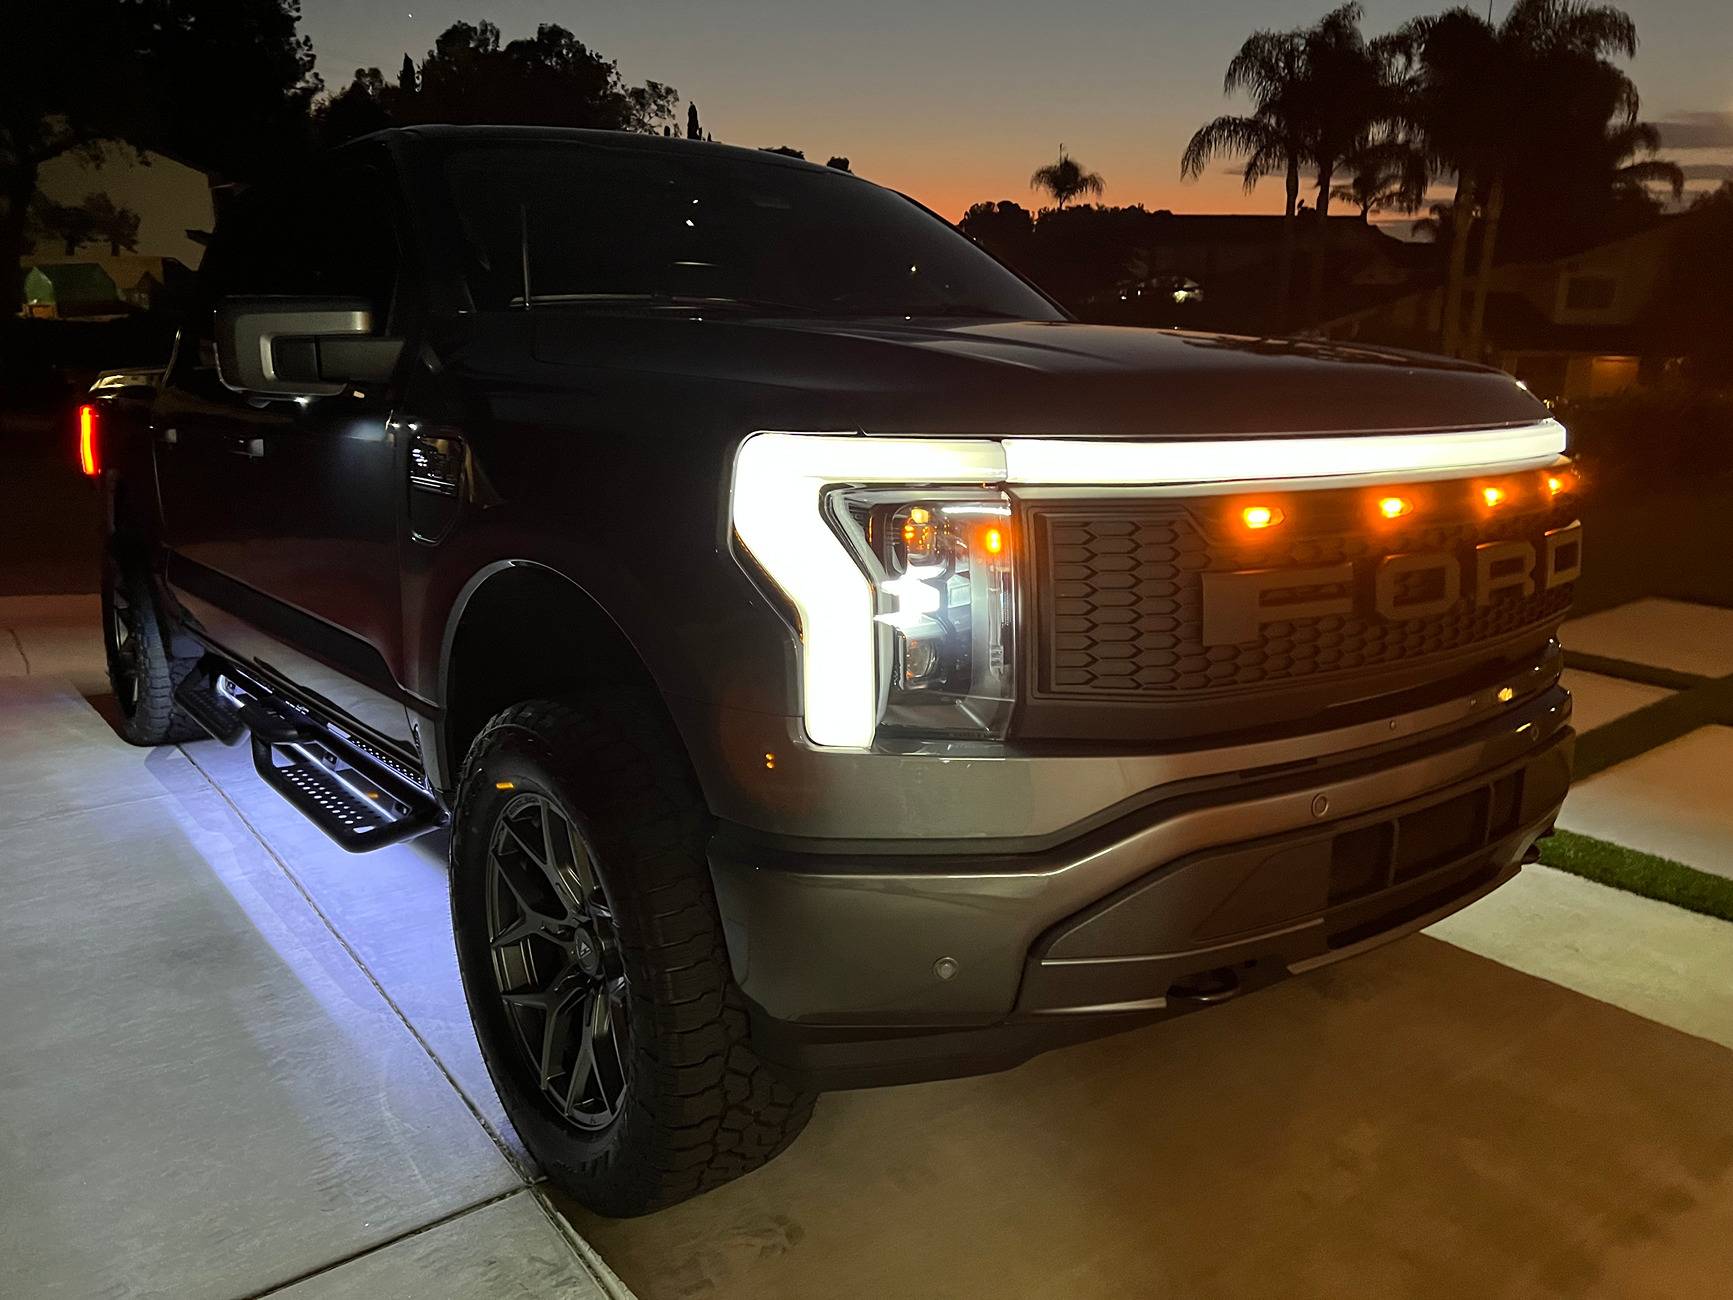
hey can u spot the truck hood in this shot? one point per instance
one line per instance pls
(1030, 378)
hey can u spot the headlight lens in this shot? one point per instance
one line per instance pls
(941, 568)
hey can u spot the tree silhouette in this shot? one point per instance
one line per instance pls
(1350, 103)
(1064, 179)
(112, 224)
(1509, 103)
(787, 151)
(1387, 176)
(837, 161)
(97, 219)
(549, 79)
(361, 107)
(75, 73)
(1270, 68)
(1005, 229)
(70, 225)
(693, 130)
(406, 80)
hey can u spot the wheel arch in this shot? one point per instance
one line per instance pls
(522, 630)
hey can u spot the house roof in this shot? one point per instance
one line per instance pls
(70, 282)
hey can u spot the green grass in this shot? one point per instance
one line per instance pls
(1640, 873)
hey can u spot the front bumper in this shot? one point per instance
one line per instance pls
(867, 968)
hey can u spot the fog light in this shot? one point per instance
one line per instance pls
(1260, 517)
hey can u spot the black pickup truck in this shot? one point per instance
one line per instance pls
(835, 666)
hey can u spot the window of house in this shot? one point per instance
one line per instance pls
(1589, 292)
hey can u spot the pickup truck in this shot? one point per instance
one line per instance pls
(832, 664)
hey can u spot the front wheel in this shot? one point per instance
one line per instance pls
(593, 959)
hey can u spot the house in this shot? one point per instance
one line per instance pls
(1576, 327)
(67, 289)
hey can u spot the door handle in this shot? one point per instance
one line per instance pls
(251, 448)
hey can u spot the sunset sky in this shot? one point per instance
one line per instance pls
(958, 100)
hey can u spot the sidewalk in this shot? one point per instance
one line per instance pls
(1655, 766)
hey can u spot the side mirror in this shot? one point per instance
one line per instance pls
(300, 347)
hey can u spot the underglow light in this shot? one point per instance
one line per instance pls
(1395, 507)
(89, 461)
(1260, 516)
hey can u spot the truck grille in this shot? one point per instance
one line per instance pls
(1119, 606)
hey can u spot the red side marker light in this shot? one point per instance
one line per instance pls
(89, 450)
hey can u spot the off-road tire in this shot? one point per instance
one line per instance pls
(143, 681)
(700, 1108)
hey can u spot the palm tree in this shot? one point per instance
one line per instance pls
(1065, 179)
(1388, 176)
(1270, 68)
(1351, 103)
(1629, 149)
(1493, 99)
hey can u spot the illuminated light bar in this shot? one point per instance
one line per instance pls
(779, 519)
(1260, 516)
(89, 448)
(1059, 460)
(778, 478)
(1395, 507)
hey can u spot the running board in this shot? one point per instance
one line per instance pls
(358, 795)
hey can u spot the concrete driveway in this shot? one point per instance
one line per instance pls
(236, 1063)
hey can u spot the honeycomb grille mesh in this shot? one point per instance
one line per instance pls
(1120, 603)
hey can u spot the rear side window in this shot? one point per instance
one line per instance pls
(593, 222)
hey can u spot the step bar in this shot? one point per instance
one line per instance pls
(358, 795)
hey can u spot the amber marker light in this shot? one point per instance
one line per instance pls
(1556, 483)
(1259, 517)
(1492, 496)
(1395, 507)
(89, 453)
(993, 539)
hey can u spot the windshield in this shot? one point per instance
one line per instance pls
(623, 227)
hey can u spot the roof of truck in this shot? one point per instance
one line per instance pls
(445, 133)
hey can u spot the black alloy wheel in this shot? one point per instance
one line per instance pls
(123, 642)
(556, 960)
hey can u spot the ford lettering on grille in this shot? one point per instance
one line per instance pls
(1238, 604)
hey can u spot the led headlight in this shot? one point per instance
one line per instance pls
(905, 613)
(940, 568)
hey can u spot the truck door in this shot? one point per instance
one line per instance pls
(282, 515)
